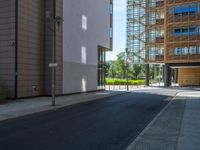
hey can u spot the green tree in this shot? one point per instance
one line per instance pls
(121, 65)
(151, 68)
(137, 71)
(117, 68)
(112, 72)
(107, 68)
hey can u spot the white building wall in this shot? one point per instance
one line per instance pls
(86, 25)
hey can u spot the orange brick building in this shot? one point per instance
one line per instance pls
(166, 32)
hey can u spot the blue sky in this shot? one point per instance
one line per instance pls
(119, 23)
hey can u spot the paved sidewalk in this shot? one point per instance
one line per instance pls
(176, 127)
(124, 87)
(24, 107)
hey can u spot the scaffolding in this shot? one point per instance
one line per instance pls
(155, 31)
(145, 31)
(136, 33)
(161, 31)
(165, 32)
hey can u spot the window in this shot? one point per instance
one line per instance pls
(177, 30)
(110, 32)
(101, 67)
(111, 9)
(184, 30)
(152, 55)
(172, 10)
(161, 51)
(84, 22)
(178, 51)
(177, 10)
(198, 49)
(192, 31)
(84, 54)
(193, 8)
(185, 50)
(185, 9)
(192, 50)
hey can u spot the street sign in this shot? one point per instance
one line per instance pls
(53, 65)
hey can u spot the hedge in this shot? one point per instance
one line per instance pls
(124, 81)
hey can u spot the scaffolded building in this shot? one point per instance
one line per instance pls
(166, 32)
(136, 31)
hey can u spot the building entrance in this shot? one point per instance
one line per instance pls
(101, 67)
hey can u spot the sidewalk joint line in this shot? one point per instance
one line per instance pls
(130, 146)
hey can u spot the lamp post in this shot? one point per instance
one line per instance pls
(54, 20)
(53, 67)
(127, 86)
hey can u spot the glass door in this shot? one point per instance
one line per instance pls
(101, 67)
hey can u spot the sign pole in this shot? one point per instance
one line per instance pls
(127, 85)
(53, 65)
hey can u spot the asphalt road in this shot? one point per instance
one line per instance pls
(107, 124)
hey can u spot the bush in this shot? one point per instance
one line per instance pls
(123, 82)
(2, 93)
(110, 82)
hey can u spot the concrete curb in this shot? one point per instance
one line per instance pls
(47, 107)
(131, 146)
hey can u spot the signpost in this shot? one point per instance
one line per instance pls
(127, 86)
(53, 65)
(54, 20)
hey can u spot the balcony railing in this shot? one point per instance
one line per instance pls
(172, 38)
(156, 59)
(159, 21)
(160, 4)
(174, 2)
(160, 39)
(159, 58)
(183, 58)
